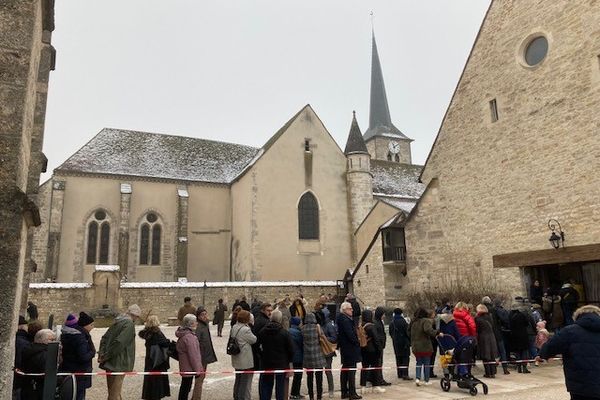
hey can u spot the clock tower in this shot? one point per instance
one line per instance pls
(383, 140)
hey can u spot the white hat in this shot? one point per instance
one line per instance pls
(134, 310)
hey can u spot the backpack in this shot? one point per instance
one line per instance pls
(172, 350)
(233, 347)
(363, 340)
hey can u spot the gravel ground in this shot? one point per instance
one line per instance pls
(545, 382)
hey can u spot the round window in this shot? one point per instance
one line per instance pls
(151, 217)
(536, 51)
(100, 215)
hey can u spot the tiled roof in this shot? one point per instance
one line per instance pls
(396, 179)
(144, 154)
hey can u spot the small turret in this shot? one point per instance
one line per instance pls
(359, 177)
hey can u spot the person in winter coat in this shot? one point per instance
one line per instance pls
(297, 309)
(421, 332)
(155, 387)
(398, 330)
(579, 345)
(260, 321)
(78, 351)
(206, 347)
(244, 361)
(117, 350)
(487, 349)
(382, 337)
(286, 316)
(32, 311)
(33, 361)
(536, 292)
(219, 317)
(464, 321)
(553, 310)
(187, 308)
(502, 332)
(519, 337)
(313, 357)
(356, 311)
(370, 354)
(569, 301)
(296, 335)
(190, 358)
(542, 336)
(22, 341)
(349, 351)
(331, 333)
(448, 328)
(277, 353)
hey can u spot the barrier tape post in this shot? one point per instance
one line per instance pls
(51, 370)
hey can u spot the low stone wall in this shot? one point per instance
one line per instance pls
(162, 298)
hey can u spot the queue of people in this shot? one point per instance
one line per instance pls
(260, 340)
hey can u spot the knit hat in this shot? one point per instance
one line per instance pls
(22, 320)
(295, 321)
(71, 320)
(486, 300)
(276, 316)
(84, 319)
(134, 310)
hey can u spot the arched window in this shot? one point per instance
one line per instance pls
(150, 240)
(397, 158)
(308, 217)
(389, 156)
(98, 239)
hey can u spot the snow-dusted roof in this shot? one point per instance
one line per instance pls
(399, 180)
(400, 203)
(144, 154)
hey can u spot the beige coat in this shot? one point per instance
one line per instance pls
(245, 339)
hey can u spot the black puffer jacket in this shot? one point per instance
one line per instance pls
(78, 351)
(33, 361)
(277, 348)
(379, 327)
(579, 345)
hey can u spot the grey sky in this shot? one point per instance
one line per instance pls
(237, 70)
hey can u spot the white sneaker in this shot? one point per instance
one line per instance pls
(378, 389)
(427, 383)
(417, 382)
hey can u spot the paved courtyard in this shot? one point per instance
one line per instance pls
(544, 382)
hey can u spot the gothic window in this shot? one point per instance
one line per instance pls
(308, 217)
(389, 156)
(397, 158)
(98, 239)
(150, 240)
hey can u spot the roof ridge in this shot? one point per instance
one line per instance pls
(174, 135)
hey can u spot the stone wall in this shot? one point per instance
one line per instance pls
(163, 299)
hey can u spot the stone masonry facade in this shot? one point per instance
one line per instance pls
(492, 185)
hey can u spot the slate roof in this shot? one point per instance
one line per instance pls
(400, 203)
(355, 143)
(380, 122)
(144, 154)
(399, 180)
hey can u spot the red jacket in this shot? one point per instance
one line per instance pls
(465, 323)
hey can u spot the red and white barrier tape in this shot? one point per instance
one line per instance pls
(270, 371)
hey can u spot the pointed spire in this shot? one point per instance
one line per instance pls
(379, 113)
(355, 143)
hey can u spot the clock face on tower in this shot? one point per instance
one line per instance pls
(394, 147)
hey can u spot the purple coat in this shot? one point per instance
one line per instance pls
(188, 347)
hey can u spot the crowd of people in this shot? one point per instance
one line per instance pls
(295, 343)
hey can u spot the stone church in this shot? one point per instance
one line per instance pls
(166, 207)
(512, 181)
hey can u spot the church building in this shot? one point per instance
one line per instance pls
(512, 181)
(165, 207)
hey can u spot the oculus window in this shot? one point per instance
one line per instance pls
(536, 51)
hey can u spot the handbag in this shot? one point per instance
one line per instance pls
(327, 347)
(158, 355)
(233, 347)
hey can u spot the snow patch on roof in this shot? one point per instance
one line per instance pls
(144, 154)
(392, 178)
(108, 268)
(141, 285)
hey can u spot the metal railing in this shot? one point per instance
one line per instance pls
(393, 253)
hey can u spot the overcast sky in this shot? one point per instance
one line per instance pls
(237, 70)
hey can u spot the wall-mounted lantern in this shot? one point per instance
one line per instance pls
(556, 239)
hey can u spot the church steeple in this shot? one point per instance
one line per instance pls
(380, 121)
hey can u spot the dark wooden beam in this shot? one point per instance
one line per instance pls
(563, 255)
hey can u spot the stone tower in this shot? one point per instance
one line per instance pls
(383, 140)
(359, 177)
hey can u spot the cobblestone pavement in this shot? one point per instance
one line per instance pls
(545, 382)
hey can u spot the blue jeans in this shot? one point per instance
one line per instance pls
(266, 382)
(421, 364)
(532, 349)
(502, 352)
